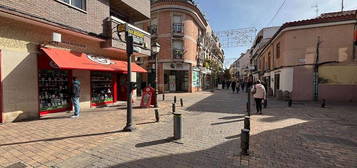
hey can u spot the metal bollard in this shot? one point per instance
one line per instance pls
(157, 115)
(244, 145)
(174, 99)
(247, 122)
(173, 107)
(181, 101)
(323, 104)
(177, 126)
(290, 102)
(163, 97)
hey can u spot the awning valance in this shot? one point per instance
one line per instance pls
(75, 60)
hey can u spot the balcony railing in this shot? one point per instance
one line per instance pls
(178, 53)
(177, 28)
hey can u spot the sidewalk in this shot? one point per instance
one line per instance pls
(211, 127)
(304, 136)
(57, 137)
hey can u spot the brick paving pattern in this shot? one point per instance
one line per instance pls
(302, 136)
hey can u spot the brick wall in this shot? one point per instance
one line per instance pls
(90, 21)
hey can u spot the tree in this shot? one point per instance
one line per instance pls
(227, 74)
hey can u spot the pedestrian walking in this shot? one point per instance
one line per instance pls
(75, 96)
(259, 95)
(238, 87)
(228, 84)
(223, 84)
(233, 85)
(242, 86)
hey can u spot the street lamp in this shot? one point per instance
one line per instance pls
(155, 49)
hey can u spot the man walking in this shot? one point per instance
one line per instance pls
(233, 85)
(259, 95)
(75, 97)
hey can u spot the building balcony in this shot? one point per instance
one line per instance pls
(142, 39)
(135, 10)
(177, 29)
(177, 53)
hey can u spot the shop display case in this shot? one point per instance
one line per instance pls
(102, 88)
(54, 90)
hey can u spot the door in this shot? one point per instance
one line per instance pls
(122, 87)
(276, 83)
(172, 83)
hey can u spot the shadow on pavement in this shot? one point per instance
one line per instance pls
(293, 143)
(227, 122)
(218, 156)
(156, 142)
(60, 138)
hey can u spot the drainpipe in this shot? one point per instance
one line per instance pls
(316, 71)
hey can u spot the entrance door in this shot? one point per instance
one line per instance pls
(172, 83)
(276, 83)
(122, 87)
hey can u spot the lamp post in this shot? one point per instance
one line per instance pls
(155, 48)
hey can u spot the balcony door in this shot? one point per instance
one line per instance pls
(177, 49)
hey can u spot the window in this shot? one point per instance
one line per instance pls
(177, 24)
(177, 47)
(81, 4)
(278, 50)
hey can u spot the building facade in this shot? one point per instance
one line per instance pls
(187, 43)
(313, 59)
(41, 48)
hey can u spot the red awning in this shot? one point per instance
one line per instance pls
(75, 60)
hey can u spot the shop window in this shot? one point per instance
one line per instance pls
(102, 90)
(81, 4)
(54, 92)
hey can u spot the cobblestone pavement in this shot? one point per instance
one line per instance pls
(211, 127)
(302, 136)
(57, 137)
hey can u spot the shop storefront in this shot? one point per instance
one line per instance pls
(176, 77)
(107, 79)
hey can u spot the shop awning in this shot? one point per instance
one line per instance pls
(75, 60)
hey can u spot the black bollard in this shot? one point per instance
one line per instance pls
(163, 97)
(290, 102)
(177, 126)
(247, 122)
(157, 115)
(174, 99)
(323, 104)
(173, 108)
(244, 141)
(181, 101)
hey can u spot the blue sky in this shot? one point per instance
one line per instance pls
(234, 14)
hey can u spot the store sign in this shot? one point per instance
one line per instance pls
(99, 60)
(123, 28)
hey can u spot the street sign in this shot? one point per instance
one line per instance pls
(121, 28)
